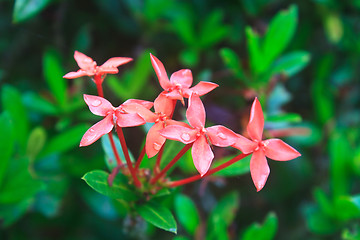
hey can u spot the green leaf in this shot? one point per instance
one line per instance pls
(157, 215)
(222, 216)
(318, 222)
(233, 62)
(213, 24)
(6, 143)
(109, 153)
(20, 186)
(12, 103)
(334, 28)
(266, 231)
(26, 9)
(98, 180)
(280, 31)
(181, 238)
(53, 73)
(65, 140)
(291, 63)
(187, 213)
(347, 207)
(184, 26)
(36, 142)
(255, 54)
(285, 117)
(239, 168)
(39, 104)
(10, 213)
(133, 82)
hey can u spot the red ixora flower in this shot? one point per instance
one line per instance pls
(102, 107)
(273, 148)
(88, 67)
(201, 137)
(179, 84)
(164, 108)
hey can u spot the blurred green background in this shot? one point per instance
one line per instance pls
(301, 58)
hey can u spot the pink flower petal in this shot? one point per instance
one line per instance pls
(144, 103)
(195, 113)
(84, 62)
(183, 77)
(109, 70)
(221, 136)
(165, 105)
(200, 89)
(128, 119)
(245, 145)
(169, 122)
(202, 155)
(145, 113)
(115, 62)
(278, 150)
(154, 141)
(98, 105)
(259, 169)
(179, 133)
(160, 72)
(72, 75)
(174, 94)
(256, 123)
(96, 131)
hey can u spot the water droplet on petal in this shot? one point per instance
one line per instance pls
(91, 136)
(91, 130)
(96, 103)
(156, 146)
(222, 136)
(185, 136)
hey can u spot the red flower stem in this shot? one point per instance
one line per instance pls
(171, 163)
(127, 157)
(158, 158)
(141, 157)
(97, 80)
(211, 171)
(112, 143)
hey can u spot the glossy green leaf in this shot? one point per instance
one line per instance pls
(280, 31)
(334, 28)
(187, 213)
(109, 153)
(12, 103)
(26, 9)
(36, 142)
(239, 168)
(37, 103)
(181, 238)
(291, 63)
(53, 74)
(98, 180)
(157, 215)
(6, 143)
(65, 141)
(266, 231)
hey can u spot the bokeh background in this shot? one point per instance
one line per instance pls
(305, 73)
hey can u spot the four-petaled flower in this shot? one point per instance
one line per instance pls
(88, 67)
(274, 148)
(102, 107)
(178, 87)
(201, 137)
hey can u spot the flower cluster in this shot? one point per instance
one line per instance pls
(194, 133)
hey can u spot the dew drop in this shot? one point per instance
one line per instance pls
(91, 130)
(222, 136)
(96, 103)
(91, 136)
(156, 146)
(185, 136)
